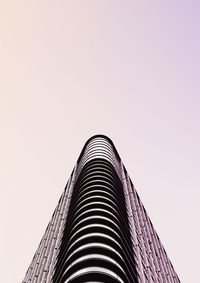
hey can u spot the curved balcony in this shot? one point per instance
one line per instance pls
(96, 235)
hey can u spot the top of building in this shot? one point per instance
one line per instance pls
(99, 138)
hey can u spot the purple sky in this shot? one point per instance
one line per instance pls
(72, 69)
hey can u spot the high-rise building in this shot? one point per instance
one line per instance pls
(100, 231)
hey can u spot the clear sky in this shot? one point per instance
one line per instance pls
(126, 69)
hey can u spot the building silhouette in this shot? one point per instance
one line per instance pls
(100, 231)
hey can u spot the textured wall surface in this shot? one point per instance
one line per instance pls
(153, 264)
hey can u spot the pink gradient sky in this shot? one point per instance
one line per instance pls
(72, 69)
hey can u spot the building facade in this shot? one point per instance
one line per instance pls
(100, 231)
